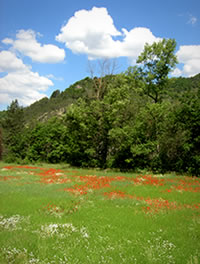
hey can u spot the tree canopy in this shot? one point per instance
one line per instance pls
(143, 120)
(158, 60)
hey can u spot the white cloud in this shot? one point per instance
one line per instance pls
(51, 76)
(188, 52)
(20, 82)
(8, 41)
(9, 62)
(189, 55)
(134, 41)
(27, 44)
(91, 32)
(192, 20)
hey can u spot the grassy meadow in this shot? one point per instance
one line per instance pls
(56, 214)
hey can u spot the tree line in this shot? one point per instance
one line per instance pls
(137, 120)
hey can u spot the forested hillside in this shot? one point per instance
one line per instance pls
(58, 102)
(135, 120)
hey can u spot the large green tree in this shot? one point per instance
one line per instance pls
(1, 144)
(157, 61)
(87, 128)
(13, 126)
(47, 141)
(99, 130)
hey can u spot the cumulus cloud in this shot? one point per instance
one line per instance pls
(20, 82)
(9, 62)
(93, 32)
(189, 55)
(134, 41)
(90, 32)
(27, 44)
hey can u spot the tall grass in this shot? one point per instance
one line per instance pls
(62, 215)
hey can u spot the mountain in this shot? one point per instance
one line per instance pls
(182, 84)
(58, 101)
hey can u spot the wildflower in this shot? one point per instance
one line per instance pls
(11, 223)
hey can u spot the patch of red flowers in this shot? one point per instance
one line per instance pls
(52, 207)
(47, 176)
(148, 180)
(22, 167)
(152, 205)
(117, 194)
(7, 178)
(156, 205)
(187, 184)
(53, 176)
(91, 182)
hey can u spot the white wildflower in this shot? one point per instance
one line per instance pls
(61, 230)
(11, 223)
(84, 233)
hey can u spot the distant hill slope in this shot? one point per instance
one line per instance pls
(183, 84)
(58, 102)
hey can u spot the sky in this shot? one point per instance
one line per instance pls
(47, 45)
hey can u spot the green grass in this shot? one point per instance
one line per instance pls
(73, 216)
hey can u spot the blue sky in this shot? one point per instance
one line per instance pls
(45, 45)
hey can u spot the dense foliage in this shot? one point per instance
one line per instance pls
(1, 143)
(136, 120)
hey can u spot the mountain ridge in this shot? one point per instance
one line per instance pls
(58, 102)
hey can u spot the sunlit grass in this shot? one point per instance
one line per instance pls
(56, 214)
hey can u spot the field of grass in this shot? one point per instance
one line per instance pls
(55, 214)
